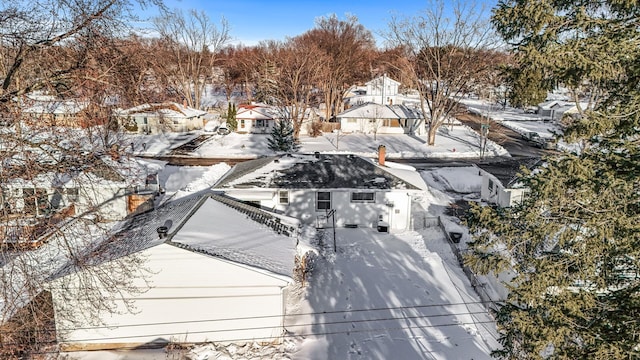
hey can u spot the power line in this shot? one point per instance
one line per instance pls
(288, 316)
(398, 328)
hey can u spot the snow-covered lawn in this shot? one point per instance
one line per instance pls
(452, 142)
(380, 296)
(384, 296)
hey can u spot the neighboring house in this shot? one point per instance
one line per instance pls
(382, 119)
(382, 90)
(356, 190)
(256, 118)
(214, 270)
(52, 111)
(158, 118)
(500, 181)
(555, 109)
(107, 189)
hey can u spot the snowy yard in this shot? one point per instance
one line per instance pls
(385, 296)
(456, 141)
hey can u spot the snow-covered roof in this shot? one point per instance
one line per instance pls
(257, 112)
(167, 109)
(50, 105)
(214, 225)
(377, 111)
(320, 171)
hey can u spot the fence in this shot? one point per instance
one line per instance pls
(478, 286)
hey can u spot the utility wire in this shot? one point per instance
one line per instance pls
(286, 316)
(399, 328)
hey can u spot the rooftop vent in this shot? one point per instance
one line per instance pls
(162, 232)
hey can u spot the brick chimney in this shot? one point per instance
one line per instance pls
(382, 153)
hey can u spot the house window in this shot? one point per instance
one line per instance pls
(241, 123)
(72, 194)
(283, 197)
(323, 200)
(363, 197)
(261, 123)
(490, 185)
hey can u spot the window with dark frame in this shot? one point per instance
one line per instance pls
(283, 197)
(363, 197)
(323, 200)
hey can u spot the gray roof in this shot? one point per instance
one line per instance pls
(140, 232)
(321, 171)
(507, 171)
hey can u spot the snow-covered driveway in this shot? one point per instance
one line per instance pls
(387, 296)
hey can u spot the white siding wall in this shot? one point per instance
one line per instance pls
(394, 206)
(189, 294)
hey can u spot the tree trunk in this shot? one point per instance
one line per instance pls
(431, 135)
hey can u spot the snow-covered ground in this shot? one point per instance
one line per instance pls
(520, 121)
(456, 141)
(379, 296)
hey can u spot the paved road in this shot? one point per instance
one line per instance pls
(503, 136)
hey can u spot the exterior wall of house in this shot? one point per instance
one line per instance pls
(254, 126)
(368, 126)
(189, 294)
(41, 200)
(392, 207)
(154, 124)
(494, 192)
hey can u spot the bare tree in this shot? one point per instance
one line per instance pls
(193, 42)
(58, 53)
(297, 68)
(348, 46)
(446, 53)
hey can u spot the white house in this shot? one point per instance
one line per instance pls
(51, 110)
(500, 183)
(256, 118)
(381, 90)
(214, 270)
(157, 118)
(108, 190)
(322, 188)
(555, 109)
(382, 119)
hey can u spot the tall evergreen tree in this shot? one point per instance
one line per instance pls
(574, 242)
(281, 138)
(232, 123)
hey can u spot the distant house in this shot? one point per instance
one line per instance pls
(382, 119)
(162, 117)
(556, 109)
(256, 118)
(500, 183)
(381, 90)
(355, 190)
(214, 270)
(52, 111)
(108, 190)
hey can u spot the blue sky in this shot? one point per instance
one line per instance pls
(255, 20)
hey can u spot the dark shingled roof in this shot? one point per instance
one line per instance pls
(324, 171)
(507, 171)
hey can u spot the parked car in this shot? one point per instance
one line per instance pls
(539, 141)
(223, 129)
(213, 127)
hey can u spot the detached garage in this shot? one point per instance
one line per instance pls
(214, 270)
